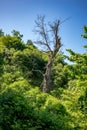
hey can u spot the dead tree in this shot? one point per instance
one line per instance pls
(51, 42)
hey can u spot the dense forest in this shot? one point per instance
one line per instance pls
(23, 103)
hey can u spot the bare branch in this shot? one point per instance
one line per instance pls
(44, 44)
(37, 71)
(65, 20)
(41, 29)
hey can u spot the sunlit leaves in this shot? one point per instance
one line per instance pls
(85, 31)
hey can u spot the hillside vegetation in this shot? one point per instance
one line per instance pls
(23, 104)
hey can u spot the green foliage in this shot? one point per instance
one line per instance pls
(79, 68)
(31, 63)
(23, 106)
(1, 63)
(58, 71)
(26, 58)
(13, 110)
(12, 42)
(17, 34)
(1, 33)
(59, 77)
(82, 100)
(31, 110)
(85, 31)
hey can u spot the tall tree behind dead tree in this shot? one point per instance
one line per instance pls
(50, 40)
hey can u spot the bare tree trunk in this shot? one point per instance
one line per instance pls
(47, 81)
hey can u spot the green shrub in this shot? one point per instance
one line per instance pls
(32, 110)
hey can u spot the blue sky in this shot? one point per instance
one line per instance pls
(21, 14)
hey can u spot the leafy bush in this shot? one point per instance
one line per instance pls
(82, 100)
(13, 110)
(50, 113)
(32, 110)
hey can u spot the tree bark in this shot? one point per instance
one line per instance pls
(47, 81)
